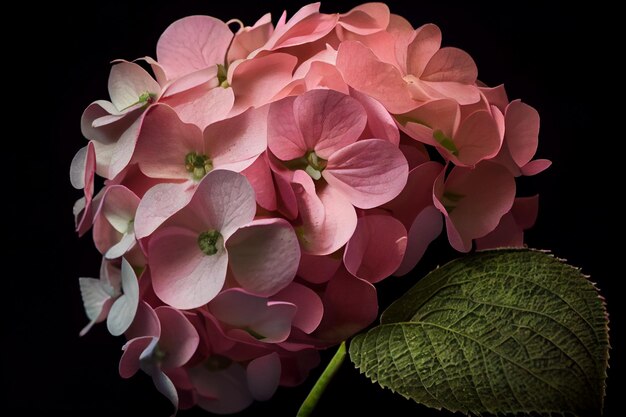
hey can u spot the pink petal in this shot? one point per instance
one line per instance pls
(179, 339)
(464, 94)
(97, 300)
(260, 177)
(263, 376)
(129, 362)
(310, 307)
(257, 81)
(284, 137)
(191, 44)
(363, 71)
(234, 143)
(451, 64)
(376, 248)
(415, 154)
(159, 204)
(525, 211)
(426, 227)
(480, 197)
(426, 42)
(328, 120)
(178, 264)
(369, 173)
(522, 131)
(249, 39)
(146, 323)
(344, 316)
(223, 200)
(127, 82)
(264, 256)
(435, 115)
(508, 234)
(380, 124)
(203, 105)
(318, 269)
(306, 26)
(496, 96)
(477, 138)
(366, 18)
(203, 78)
(164, 143)
(417, 195)
(536, 166)
(118, 206)
(328, 218)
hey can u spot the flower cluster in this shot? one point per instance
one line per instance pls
(259, 184)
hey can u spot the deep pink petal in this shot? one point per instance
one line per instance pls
(535, 167)
(328, 218)
(426, 227)
(159, 204)
(363, 71)
(318, 269)
(234, 143)
(376, 248)
(525, 211)
(344, 316)
(260, 177)
(129, 362)
(508, 234)
(522, 131)
(264, 256)
(191, 44)
(310, 307)
(178, 265)
(164, 143)
(328, 120)
(368, 173)
(223, 391)
(179, 339)
(263, 376)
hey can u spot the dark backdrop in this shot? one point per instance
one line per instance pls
(558, 59)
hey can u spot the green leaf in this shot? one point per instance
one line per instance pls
(503, 331)
(322, 383)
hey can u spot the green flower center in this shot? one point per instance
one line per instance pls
(210, 242)
(310, 163)
(217, 363)
(198, 165)
(450, 200)
(446, 142)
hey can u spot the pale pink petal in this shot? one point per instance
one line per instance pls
(451, 64)
(179, 339)
(380, 124)
(474, 201)
(368, 173)
(224, 201)
(191, 44)
(118, 206)
(284, 137)
(263, 376)
(164, 143)
(426, 227)
(310, 307)
(318, 269)
(234, 143)
(123, 150)
(165, 386)
(535, 167)
(207, 78)
(97, 298)
(426, 42)
(222, 391)
(264, 256)
(125, 244)
(203, 105)
(123, 310)
(275, 325)
(249, 39)
(522, 131)
(159, 204)
(257, 81)
(328, 218)
(366, 18)
(128, 82)
(129, 362)
(376, 248)
(77, 168)
(363, 71)
(477, 138)
(260, 177)
(346, 315)
(182, 275)
(328, 120)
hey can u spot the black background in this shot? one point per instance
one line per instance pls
(558, 59)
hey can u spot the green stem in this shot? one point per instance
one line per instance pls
(320, 386)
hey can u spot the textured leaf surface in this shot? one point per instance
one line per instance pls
(504, 331)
